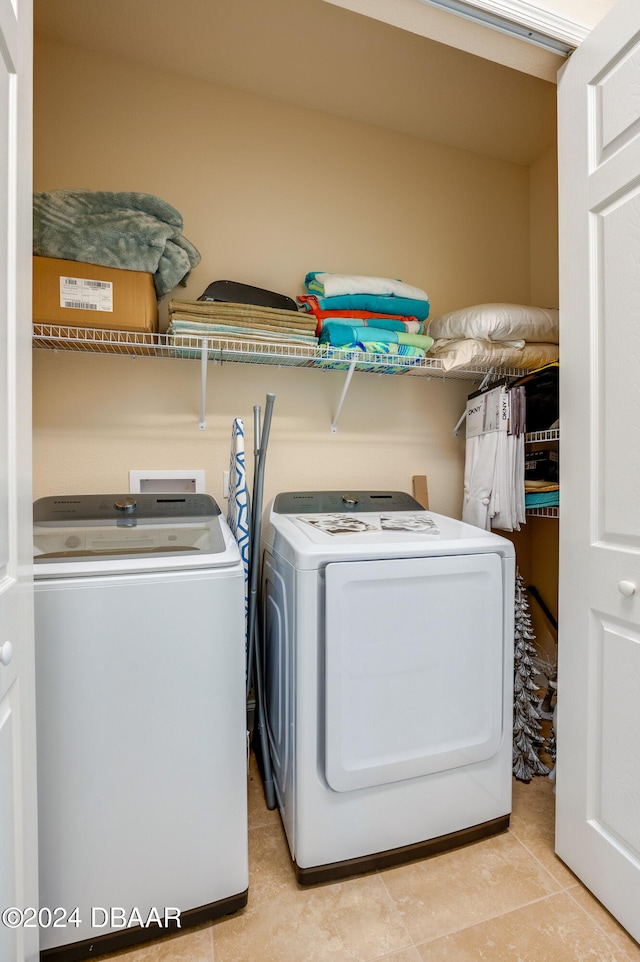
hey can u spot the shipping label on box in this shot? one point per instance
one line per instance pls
(85, 294)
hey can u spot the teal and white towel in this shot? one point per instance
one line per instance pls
(337, 285)
(377, 303)
(338, 334)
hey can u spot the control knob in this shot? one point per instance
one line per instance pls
(127, 505)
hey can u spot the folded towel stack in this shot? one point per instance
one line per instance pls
(374, 315)
(240, 322)
(541, 494)
(542, 499)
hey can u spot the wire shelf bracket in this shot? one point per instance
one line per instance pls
(204, 357)
(217, 347)
(345, 388)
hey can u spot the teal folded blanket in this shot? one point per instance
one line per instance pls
(340, 334)
(542, 499)
(128, 230)
(381, 303)
(382, 323)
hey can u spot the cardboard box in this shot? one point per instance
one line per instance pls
(76, 294)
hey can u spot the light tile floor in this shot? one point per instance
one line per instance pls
(505, 899)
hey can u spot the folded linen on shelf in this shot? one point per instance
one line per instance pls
(377, 303)
(205, 309)
(374, 320)
(122, 229)
(201, 326)
(338, 334)
(332, 285)
(542, 499)
(248, 315)
(232, 332)
(389, 322)
(422, 341)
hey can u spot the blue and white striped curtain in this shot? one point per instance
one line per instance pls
(238, 509)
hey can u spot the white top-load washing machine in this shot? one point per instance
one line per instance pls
(388, 634)
(141, 719)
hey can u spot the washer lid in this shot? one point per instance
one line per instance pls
(94, 528)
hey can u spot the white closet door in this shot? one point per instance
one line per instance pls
(414, 667)
(598, 788)
(18, 831)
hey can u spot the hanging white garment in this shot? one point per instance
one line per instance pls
(238, 506)
(500, 506)
(507, 503)
(518, 481)
(480, 460)
(494, 462)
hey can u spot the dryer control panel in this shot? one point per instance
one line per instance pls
(321, 502)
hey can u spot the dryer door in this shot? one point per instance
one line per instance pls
(414, 667)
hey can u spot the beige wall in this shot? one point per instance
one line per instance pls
(544, 230)
(268, 191)
(112, 414)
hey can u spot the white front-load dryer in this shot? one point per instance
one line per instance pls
(141, 719)
(388, 636)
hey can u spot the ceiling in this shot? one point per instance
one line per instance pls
(322, 56)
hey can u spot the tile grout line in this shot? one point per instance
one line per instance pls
(542, 865)
(561, 888)
(395, 905)
(490, 918)
(558, 891)
(595, 922)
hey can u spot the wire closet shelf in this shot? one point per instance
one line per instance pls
(541, 437)
(191, 347)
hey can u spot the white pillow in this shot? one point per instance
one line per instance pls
(471, 353)
(499, 322)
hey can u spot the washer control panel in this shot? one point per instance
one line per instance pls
(96, 509)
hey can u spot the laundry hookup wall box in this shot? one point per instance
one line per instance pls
(76, 294)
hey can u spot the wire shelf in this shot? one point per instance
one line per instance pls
(290, 354)
(543, 512)
(534, 437)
